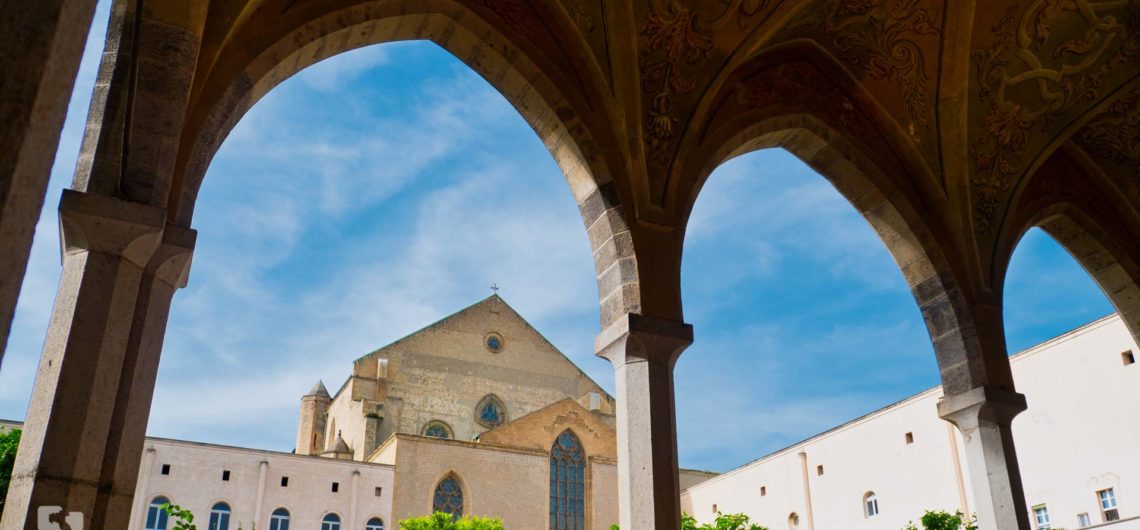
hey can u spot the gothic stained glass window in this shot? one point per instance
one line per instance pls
(567, 483)
(437, 429)
(448, 497)
(491, 412)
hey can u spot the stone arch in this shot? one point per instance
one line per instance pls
(558, 111)
(861, 170)
(1070, 199)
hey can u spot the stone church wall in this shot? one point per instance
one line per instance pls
(442, 372)
(512, 484)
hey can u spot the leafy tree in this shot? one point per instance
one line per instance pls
(444, 521)
(731, 521)
(939, 520)
(9, 442)
(183, 519)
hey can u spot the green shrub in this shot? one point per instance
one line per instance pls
(939, 520)
(731, 521)
(9, 442)
(444, 521)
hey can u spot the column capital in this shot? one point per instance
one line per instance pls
(986, 404)
(98, 223)
(171, 260)
(633, 337)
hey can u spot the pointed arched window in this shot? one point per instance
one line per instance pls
(567, 483)
(448, 497)
(490, 412)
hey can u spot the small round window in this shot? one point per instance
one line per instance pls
(493, 342)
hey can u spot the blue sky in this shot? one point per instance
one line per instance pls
(385, 188)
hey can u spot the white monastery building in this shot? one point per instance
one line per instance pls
(478, 414)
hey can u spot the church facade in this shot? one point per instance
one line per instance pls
(478, 414)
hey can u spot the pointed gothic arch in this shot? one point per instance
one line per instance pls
(448, 496)
(490, 412)
(567, 483)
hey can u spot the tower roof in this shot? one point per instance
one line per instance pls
(339, 445)
(319, 390)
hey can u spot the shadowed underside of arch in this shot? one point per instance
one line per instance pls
(549, 100)
(951, 126)
(1073, 201)
(797, 99)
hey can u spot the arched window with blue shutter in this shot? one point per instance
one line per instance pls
(567, 483)
(448, 497)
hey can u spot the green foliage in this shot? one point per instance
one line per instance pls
(183, 519)
(731, 521)
(443, 521)
(940, 520)
(9, 442)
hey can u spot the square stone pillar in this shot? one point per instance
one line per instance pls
(84, 431)
(643, 351)
(984, 416)
(41, 44)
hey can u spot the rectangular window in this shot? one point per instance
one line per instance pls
(335, 487)
(714, 509)
(1128, 357)
(1107, 499)
(1083, 520)
(225, 475)
(284, 482)
(1041, 513)
(763, 490)
(378, 490)
(819, 470)
(165, 469)
(909, 437)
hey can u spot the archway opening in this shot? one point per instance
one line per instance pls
(1073, 356)
(805, 324)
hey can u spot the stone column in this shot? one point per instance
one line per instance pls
(808, 511)
(167, 271)
(68, 442)
(643, 351)
(259, 503)
(41, 44)
(984, 415)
